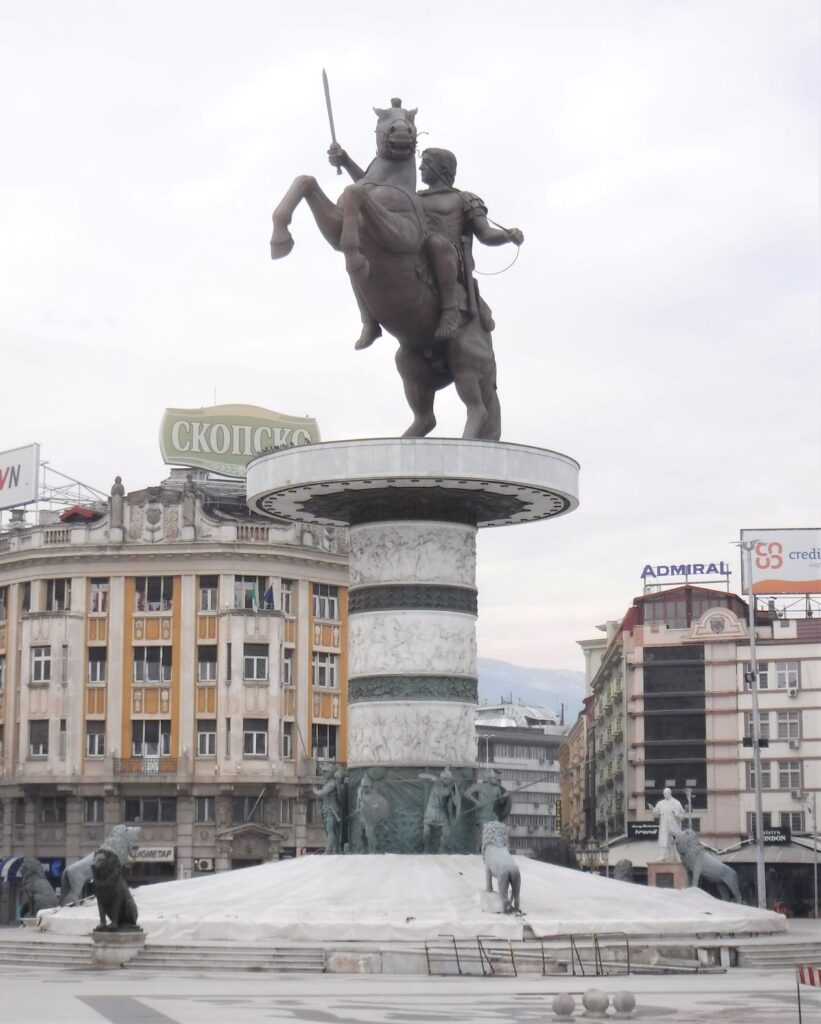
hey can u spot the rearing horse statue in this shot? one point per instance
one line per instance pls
(379, 224)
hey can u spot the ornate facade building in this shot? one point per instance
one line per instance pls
(172, 661)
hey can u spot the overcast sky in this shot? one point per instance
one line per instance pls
(661, 325)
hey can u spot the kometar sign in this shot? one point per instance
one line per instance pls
(224, 438)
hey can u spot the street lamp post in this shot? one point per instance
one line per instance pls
(747, 547)
(689, 784)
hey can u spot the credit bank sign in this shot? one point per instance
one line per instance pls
(224, 438)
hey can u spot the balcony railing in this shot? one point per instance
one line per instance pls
(145, 765)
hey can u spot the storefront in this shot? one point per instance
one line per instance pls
(788, 873)
(152, 863)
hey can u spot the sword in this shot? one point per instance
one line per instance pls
(327, 89)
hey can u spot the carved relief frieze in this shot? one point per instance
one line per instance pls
(413, 552)
(412, 642)
(394, 733)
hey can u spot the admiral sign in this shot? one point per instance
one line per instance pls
(784, 561)
(19, 475)
(224, 438)
(685, 570)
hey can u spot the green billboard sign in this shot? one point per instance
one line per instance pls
(224, 438)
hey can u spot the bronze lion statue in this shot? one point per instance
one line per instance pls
(114, 899)
(36, 891)
(500, 865)
(700, 863)
(122, 839)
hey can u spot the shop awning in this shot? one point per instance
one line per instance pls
(10, 868)
(792, 853)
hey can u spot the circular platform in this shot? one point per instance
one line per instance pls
(343, 483)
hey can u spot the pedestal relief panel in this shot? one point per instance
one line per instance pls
(413, 552)
(395, 733)
(408, 642)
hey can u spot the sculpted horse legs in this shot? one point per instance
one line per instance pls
(420, 384)
(391, 230)
(326, 214)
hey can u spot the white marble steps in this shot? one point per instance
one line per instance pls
(29, 952)
(780, 955)
(235, 957)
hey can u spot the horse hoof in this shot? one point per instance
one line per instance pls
(281, 244)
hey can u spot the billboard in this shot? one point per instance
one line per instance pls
(224, 438)
(783, 561)
(19, 475)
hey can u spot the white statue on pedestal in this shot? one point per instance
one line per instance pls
(669, 813)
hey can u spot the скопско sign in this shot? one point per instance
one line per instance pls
(224, 438)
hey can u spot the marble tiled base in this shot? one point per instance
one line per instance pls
(115, 949)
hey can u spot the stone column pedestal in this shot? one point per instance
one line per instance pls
(413, 507)
(667, 874)
(115, 949)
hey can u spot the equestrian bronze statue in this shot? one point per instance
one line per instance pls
(409, 258)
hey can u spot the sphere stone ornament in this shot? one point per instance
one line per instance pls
(596, 1002)
(563, 1005)
(624, 1003)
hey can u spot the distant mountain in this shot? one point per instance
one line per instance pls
(545, 687)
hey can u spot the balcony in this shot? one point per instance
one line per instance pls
(145, 765)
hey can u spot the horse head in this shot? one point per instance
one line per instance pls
(395, 132)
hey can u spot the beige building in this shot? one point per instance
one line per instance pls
(173, 661)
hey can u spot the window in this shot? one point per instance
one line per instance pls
(58, 595)
(286, 597)
(207, 663)
(247, 808)
(38, 739)
(286, 810)
(314, 812)
(793, 820)
(207, 737)
(765, 775)
(789, 725)
(323, 738)
(286, 745)
(763, 724)
(250, 592)
(93, 808)
(97, 657)
(287, 677)
(255, 737)
(326, 601)
(95, 739)
(52, 810)
(789, 775)
(255, 662)
(786, 674)
(209, 590)
(325, 669)
(99, 596)
(204, 810)
(61, 738)
(25, 599)
(670, 612)
(766, 821)
(19, 806)
(151, 738)
(2, 671)
(1, 748)
(152, 664)
(41, 664)
(153, 593)
(151, 808)
(4, 603)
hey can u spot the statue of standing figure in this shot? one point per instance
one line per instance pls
(491, 802)
(669, 813)
(116, 503)
(371, 809)
(441, 811)
(331, 795)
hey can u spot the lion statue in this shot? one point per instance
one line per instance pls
(36, 891)
(122, 839)
(623, 871)
(499, 864)
(114, 899)
(700, 863)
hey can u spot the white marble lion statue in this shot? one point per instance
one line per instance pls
(122, 840)
(499, 864)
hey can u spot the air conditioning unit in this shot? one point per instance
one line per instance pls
(793, 691)
(795, 744)
(204, 864)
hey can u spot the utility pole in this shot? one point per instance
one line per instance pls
(748, 547)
